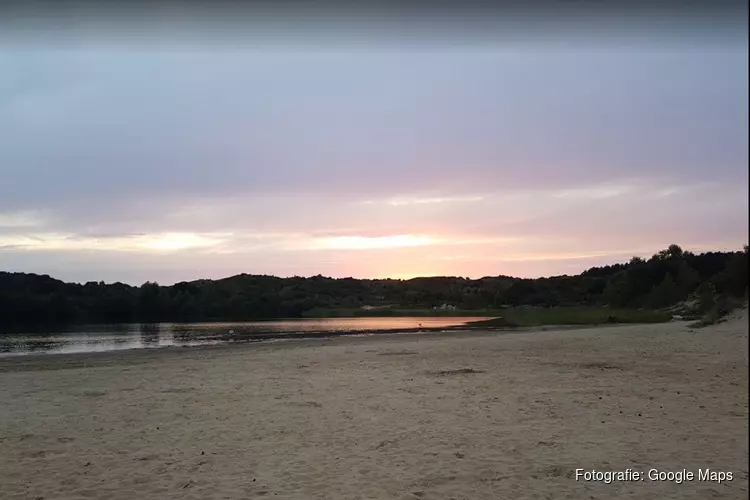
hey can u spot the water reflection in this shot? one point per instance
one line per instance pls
(91, 338)
(181, 334)
(150, 334)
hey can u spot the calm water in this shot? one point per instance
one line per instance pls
(90, 338)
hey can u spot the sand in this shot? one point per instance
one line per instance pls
(460, 416)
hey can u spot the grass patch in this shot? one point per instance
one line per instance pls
(492, 323)
(538, 316)
(510, 317)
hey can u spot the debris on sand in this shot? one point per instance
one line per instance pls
(460, 371)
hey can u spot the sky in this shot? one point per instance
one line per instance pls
(127, 161)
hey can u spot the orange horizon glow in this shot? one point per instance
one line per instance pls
(379, 240)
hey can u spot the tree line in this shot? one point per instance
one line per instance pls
(669, 277)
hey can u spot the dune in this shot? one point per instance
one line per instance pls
(465, 415)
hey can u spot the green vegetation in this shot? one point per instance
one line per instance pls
(499, 322)
(719, 310)
(513, 316)
(631, 291)
(535, 316)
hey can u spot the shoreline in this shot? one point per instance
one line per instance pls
(299, 340)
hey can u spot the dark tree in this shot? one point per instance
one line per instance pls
(668, 277)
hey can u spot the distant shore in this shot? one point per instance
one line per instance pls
(512, 316)
(127, 336)
(296, 339)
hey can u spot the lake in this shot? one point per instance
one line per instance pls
(92, 338)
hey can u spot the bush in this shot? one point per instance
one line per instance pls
(721, 308)
(706, 297)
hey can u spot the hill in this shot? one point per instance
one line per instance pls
(667, 278)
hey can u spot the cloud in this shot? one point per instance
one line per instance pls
(500, 233)
(162, 243)
(370, 243)
(12, 220)
(595, 193)
(367, 160)
(421, 201)
(121, 124)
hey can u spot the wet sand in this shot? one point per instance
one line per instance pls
(465, 415)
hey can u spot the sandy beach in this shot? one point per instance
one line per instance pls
(470, 415)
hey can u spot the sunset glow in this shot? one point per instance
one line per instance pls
(372, 243)
(177, 241)
(169, 242)
(377, 160)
